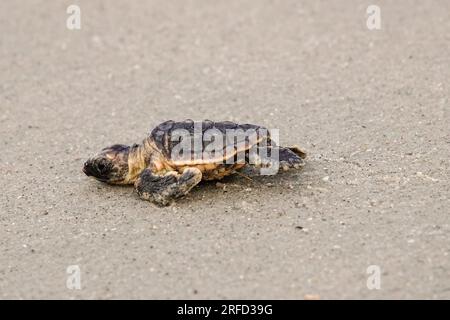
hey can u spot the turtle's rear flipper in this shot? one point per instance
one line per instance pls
(276, 157)
(299, 152)
(291, 157)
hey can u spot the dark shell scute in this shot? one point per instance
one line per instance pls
(225, 125)
(166, 135)
(166, 125)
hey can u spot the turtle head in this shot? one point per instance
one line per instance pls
(110, 165)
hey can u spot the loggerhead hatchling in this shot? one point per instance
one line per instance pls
(176, 156)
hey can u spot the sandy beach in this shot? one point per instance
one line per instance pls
(370, 107)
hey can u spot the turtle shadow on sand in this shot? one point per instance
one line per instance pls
(249, 179)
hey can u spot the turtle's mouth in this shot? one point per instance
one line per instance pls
(86, 170)
(99, 172)
(89, 170)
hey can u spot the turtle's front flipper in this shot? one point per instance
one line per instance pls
(162, 189)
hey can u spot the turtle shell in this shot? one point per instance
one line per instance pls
(190, 143)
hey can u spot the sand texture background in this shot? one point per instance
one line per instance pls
(371, 108)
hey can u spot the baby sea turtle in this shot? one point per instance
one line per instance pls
(176, 156)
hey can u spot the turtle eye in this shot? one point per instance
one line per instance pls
(101, 167)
